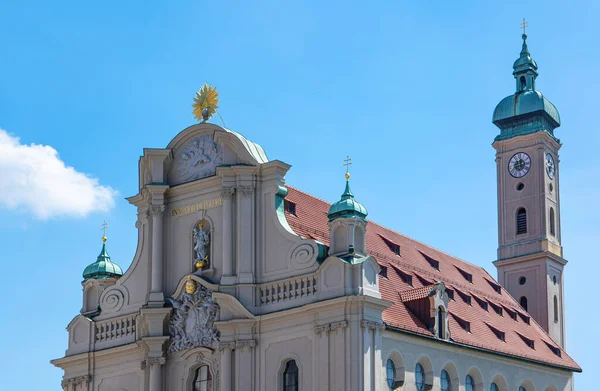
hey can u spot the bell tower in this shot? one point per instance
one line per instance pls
(530, 256)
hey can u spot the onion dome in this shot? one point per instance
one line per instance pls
(347, 206)
(103, 268)
(527, 110)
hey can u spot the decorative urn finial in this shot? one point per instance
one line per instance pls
(206, 103)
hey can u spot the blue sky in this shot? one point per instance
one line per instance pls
(407, 89)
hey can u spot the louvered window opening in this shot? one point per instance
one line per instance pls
(521, 221)
(552, 230)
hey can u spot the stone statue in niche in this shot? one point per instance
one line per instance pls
(191, 323)
(201, 243)
(198, 159)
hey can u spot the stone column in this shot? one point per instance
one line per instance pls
(243, 362)
(338, 371)
(67, 385)
(323, 356)
(227, 195)
(245, 230)
(155, 360)
(156, 298)
(155, 364)
(369, 336)
(226, 373)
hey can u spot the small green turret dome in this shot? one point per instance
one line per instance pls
(103, 268)
(347, 206)
(527, 110)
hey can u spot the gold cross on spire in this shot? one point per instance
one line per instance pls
(104, 227)
(347, 163)
(524, 25)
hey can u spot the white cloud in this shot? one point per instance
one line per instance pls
(32, 177)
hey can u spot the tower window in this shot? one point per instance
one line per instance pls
(521, 221)
(290, 376)
(555, 309)
(203, 379)
(520, 186)
(523, 302)
(554, 279)
(523, 83)
(522, 280)
(552, 230)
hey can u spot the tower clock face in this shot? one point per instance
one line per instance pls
(519, 164)
(550, 167)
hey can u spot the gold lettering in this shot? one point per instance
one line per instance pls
(209, 204)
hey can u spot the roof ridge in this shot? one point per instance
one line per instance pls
(396, 232)
(424, 244)
(308, 194)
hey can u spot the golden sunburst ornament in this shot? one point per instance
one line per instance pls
(206, 103)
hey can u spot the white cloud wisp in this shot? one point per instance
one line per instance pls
(33, 178)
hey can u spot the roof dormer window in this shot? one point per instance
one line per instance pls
(290, 207)
(432, 262)
(467, 276)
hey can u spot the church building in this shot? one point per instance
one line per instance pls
(242, 282)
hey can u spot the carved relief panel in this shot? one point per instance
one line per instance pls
(198, 159)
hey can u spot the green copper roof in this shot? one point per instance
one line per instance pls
(347, 207)
(527, 110)
(103, 267)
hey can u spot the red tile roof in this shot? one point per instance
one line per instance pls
(416, 261)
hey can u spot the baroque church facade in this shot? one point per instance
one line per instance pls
(242, 282)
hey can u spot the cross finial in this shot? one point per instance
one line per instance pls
(104, 227)
(524, 25)
(347, 163)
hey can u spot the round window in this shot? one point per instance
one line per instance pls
(522, 280)
(520, 186)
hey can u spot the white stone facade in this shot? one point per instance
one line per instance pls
(274, 296)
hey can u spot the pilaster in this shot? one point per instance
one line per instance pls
(156, 211)
(227, 194)
(226, 371)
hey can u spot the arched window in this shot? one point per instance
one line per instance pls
(523, 83)
(290, 376)
(203, 379)
(445, 381)
(420, 377)
(522, 388)
(555, 309)
(470, 383)
(521, 221)
(494, 387)
(390, 373)
(552, 231)
(523, 302)
(440, 329)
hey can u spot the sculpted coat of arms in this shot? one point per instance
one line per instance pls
(192, 321)
(198, 159)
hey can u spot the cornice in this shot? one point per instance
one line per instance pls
(531, 257)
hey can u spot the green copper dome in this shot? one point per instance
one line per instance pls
(527, 110)
(347, 207)
(103, 268)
